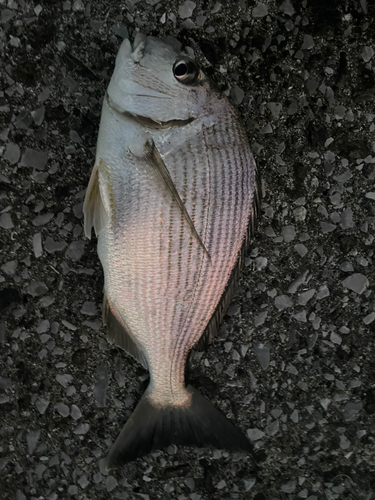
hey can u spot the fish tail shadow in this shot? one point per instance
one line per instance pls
(198, 424)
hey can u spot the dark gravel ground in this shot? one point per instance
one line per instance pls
(294, 363)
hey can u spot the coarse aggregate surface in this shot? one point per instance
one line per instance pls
(294, 362)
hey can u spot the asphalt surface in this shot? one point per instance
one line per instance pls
(294, 363)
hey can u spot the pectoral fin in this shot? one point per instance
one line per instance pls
(162, 176)
(95, 212)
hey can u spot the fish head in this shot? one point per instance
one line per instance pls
(153, 79)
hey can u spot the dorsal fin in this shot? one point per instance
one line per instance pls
(121, 335)
(215, 321)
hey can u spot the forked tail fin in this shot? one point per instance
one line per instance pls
(198, 424)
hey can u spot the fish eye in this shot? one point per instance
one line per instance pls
(186, 71)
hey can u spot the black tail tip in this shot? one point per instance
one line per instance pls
(198, 425)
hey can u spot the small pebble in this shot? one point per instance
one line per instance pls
(369, 318)
(249, 483)
(367, 53)
(62, 409)
(37, 245)
(237, 95)
(304, 297)
(255, 434)
(186, 9)
(357, 282)
(89, 308)
(260, 10)
(110, 483)
(262, 352)
(288, 233)
(6, 221)
(75, 250)
(82, 428)
(34, 158)
(32, 438)
(300, 249)
(12, 153)
(42, 405)
(326, 227)
(43, 219)
(308, 42)
(283, 302)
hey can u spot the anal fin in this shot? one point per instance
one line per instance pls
(121, 335)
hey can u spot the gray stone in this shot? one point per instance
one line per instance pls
(249, 483)
(75, 250)
(262, 352)
(42, 405)
(347, 219)
(367, 53)
(275, 108)
(289, 487)
(357, 282)
(43, 219)
(37, 288)
(62, 409)
(304, 297)
(326, 227)
(32, 438)
(110, 483)
(38, 115)
(89, 308)
(369, 318)
(10, 267)
(300, 249)
(237, 94)
(6, 221)
(255, 434)
(260, 10)
(308, 42)
(53, 246)
(288, 233)
(101, 384)
(75, 412)
(351, 411)
(34, 158)
(82, 429)
(12, 153)
(186, 9)
(37, 245)
(283, 302)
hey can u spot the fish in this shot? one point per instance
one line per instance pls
(173, 199)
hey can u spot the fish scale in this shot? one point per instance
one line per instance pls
(170, 197)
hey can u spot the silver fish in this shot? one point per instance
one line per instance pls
(171, 198)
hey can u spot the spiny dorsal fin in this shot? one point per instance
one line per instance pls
(162, 176)
(215, 321)
(121, 335)
(95, 214)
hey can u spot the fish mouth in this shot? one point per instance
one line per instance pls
(145, 121)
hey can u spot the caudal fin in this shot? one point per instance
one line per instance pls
(199, 425)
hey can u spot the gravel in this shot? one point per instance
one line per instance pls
(293, 363)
